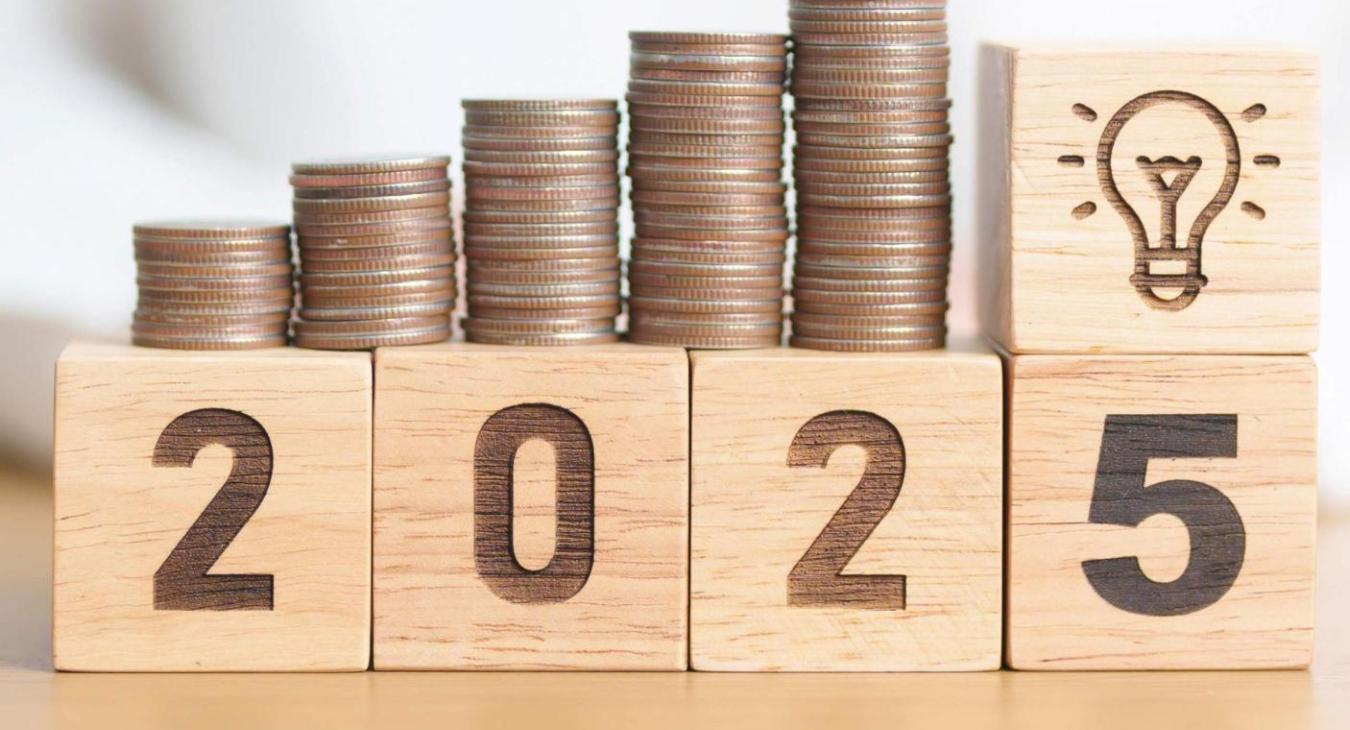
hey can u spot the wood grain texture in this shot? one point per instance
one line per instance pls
(1161, 512)
(757, 508)
(1180, 215)
(433, 608)
(122, 516)
(33, 696)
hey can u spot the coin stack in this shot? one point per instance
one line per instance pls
(377, 252)
(212, 285)
(873, 199)
(705, 157)
(541, 221)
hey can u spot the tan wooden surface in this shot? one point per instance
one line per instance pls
(1059, 254)
(121, 512)
(433, 607)
(1059, 404)
(33, 696)
(929, 424)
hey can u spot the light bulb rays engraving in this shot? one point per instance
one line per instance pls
(1167, 271)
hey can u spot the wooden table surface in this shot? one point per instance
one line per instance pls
(33, 696)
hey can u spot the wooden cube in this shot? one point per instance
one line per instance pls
(846, 511)
(531, 507)
(212, 510)
(1150, 201)
(1161, 512)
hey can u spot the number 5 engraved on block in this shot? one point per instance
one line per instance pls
(817, 580)
(1120, 497)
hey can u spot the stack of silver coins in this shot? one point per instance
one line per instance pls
(541, 221)
(871, 170)
(212, 285)
(377, 252)
(705, 157)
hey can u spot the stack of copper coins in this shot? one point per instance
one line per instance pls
(705, 157)
(377, 252)
(873, 198)
(212, 285)
(541, 221)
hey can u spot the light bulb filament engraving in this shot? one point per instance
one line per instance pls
(1155, 172)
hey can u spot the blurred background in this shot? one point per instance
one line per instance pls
(139, 109)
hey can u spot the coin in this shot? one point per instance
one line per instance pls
(392, 311)
(374, 191)
(639, 59)
(768, 321)
(854, 345)
(705, 342)
(511, 144)
(540, 254)
(641, 174)
(424, 227)
(368, 342)
(569, 181)
(206, 229)
(706, 199)
(907, 309)
(247, 342)
(700, 75)
(370, 165)
(579, 266)
(538, 105)
(704, 106)
(866, 12)
(510, 230)
(584, 117)
(649, 304)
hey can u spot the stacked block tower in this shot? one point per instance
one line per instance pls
(1151, 231)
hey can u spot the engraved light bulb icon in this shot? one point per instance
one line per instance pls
(1171, 263)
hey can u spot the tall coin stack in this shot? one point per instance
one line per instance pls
(377, 252)
(705, 157)
(212, 285)
(541, 221)
(873, 199)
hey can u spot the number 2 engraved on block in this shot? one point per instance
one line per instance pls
(182, 583)
(1119, 497)
(494, 458)
(818, 579)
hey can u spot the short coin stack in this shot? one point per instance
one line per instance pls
(873, 197)
(706, 160)
(212, 285)
(541, 221)
(377, 252)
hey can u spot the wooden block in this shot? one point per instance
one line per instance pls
(212, 510)
(1150, 201)
(531, 507)
(847, 511)
(1162, 512)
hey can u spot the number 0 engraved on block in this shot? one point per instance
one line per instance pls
(494, 457)
(1119, 497)
(182, 582)
(817, 579)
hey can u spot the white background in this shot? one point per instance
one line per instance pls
(112, 112)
